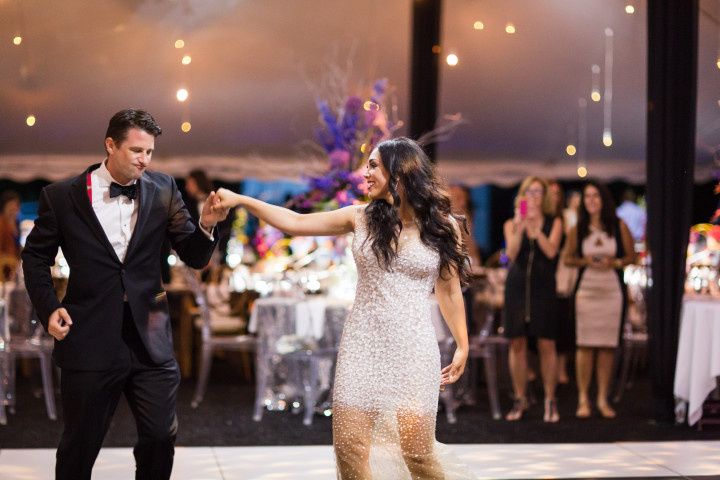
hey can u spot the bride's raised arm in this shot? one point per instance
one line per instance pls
(336, 222)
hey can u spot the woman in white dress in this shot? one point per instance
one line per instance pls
(388, 374)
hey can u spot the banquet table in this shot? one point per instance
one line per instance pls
(698, 356)
(297, 345)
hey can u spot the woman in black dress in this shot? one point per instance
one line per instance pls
(532, 240)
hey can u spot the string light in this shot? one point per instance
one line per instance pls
(571, 150)
(582, 137)
(510, 28)
(607, 106)
(182, 95)
(186, 60)
(185, 127)
(30, 120)
(478, 25)
(607, 138)
(595, 92)
(452, 59)
(629, 9)
(17, 40)
(179, 43)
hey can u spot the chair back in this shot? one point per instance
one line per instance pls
(335, 316)
(195, 286)
(19, 319)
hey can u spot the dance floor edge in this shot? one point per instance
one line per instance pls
(687, 459)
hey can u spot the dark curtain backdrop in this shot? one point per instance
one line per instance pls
(425, 66)
(672, 89)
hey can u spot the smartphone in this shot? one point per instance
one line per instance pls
(523, 208)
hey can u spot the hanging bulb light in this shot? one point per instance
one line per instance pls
(607, 138)
(607, 105)
(17, 40)
(30, 120)
(582, 137)
(182, 94)
(186, 127)
(452, 59)
(595, 92)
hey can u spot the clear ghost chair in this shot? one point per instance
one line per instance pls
(23, 337)
(216, 327)
(319, 371)
(485, 344)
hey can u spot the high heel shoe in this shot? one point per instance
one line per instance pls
(551, 412)
(583, 410)
(517, 410)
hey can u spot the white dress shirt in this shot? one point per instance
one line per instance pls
(118, 215)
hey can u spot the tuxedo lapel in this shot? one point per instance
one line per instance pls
(146, 190)
(79, 196)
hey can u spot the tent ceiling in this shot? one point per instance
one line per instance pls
(255, 66)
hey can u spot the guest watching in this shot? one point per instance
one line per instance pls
(9, 234)
(198, 187)
(633, 215)
(461, 205)
(565, 283)
(532, 239)
(601, 246)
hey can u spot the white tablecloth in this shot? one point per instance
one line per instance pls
(309, 313)
(698, 358)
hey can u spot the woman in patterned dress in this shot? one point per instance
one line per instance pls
(388, 375)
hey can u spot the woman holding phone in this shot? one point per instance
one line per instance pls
(532, 240)
(600, 246)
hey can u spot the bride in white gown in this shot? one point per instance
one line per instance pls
(388, 374)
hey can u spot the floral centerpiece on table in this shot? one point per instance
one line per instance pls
(349, 130)
(703, 255)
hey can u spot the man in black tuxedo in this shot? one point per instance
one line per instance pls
(112, 330)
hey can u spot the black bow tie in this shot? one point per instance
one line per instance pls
(130, 191)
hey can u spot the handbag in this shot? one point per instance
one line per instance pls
(565, 279)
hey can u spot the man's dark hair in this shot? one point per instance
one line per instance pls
(204, 183)
(124, 120)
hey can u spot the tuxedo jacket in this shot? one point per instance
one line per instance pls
(99, 281)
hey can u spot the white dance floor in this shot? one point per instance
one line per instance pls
(489, 461)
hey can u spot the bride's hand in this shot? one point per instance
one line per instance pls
(452, 372)
(227, 199)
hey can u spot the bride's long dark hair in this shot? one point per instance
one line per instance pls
(410, 169)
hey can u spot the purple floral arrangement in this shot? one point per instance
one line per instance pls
(347, 134)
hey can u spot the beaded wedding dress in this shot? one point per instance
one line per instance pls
(387, 379)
